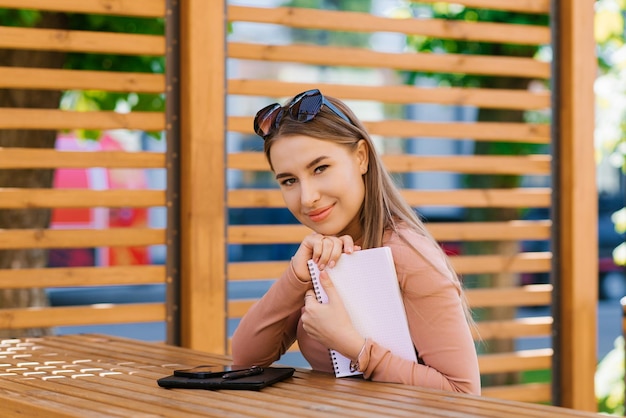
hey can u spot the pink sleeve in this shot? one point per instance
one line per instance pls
(268, 329)
(437, 323)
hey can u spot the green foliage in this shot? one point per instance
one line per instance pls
(19, 17)
(609, 380)
(608, 30)
(115, 24)
(537, 376)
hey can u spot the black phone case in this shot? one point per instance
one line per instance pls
(269, 376)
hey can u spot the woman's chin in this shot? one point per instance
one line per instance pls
(325, 230)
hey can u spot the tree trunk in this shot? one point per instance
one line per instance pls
(27, 218)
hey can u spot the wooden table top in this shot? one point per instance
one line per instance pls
(103, 376)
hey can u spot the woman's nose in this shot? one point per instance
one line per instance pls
(309, 194)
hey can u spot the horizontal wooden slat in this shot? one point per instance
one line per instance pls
(55, 79)
(490, 231)
(522, 360)
(16, 318)
(136, 8)
(366, 22)
(457, 96)
(355, 57)
(514, 328)
(18, 158)
(479, 131)
(238, 308)
(81, 276)
(20, 118)
(530, 295)
(526, 6)
(81, 41)
(266, 234)
(442, 231)
(470, 198)
(79, 198)
(492, 264)
(529, 392)
(469, 264)
(87, 238)
(481, 198)
(478, 164)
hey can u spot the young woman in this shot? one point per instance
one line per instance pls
(334, 182)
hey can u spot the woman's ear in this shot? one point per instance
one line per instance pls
(362, 155)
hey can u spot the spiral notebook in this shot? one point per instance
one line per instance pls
(367, 283)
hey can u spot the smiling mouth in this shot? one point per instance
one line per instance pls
(320, 214)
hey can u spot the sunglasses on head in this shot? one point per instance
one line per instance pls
(303, 108)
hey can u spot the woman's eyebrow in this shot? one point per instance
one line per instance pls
(316, 161)
(308, 166)
(281, 175)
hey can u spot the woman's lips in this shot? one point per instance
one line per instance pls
(320, 214)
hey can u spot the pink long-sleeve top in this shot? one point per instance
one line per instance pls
(434, 310)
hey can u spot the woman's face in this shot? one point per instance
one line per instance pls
(321, 182)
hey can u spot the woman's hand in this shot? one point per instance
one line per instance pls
(329, 323)
(324, 250)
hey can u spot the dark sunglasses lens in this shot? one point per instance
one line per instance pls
(265, 119)
(307, 107)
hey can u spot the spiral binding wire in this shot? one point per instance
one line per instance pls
(314, 279)
(317, 288)
(333, 356)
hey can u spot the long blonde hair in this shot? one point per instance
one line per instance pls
(383, 206)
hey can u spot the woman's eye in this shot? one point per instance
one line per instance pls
(320, 169)
(288, 182)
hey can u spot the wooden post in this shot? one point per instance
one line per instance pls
(203, 170)
(575, 198)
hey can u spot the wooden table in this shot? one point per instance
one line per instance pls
(102, 376)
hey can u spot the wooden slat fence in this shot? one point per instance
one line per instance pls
(34, 119)
(262, 59)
